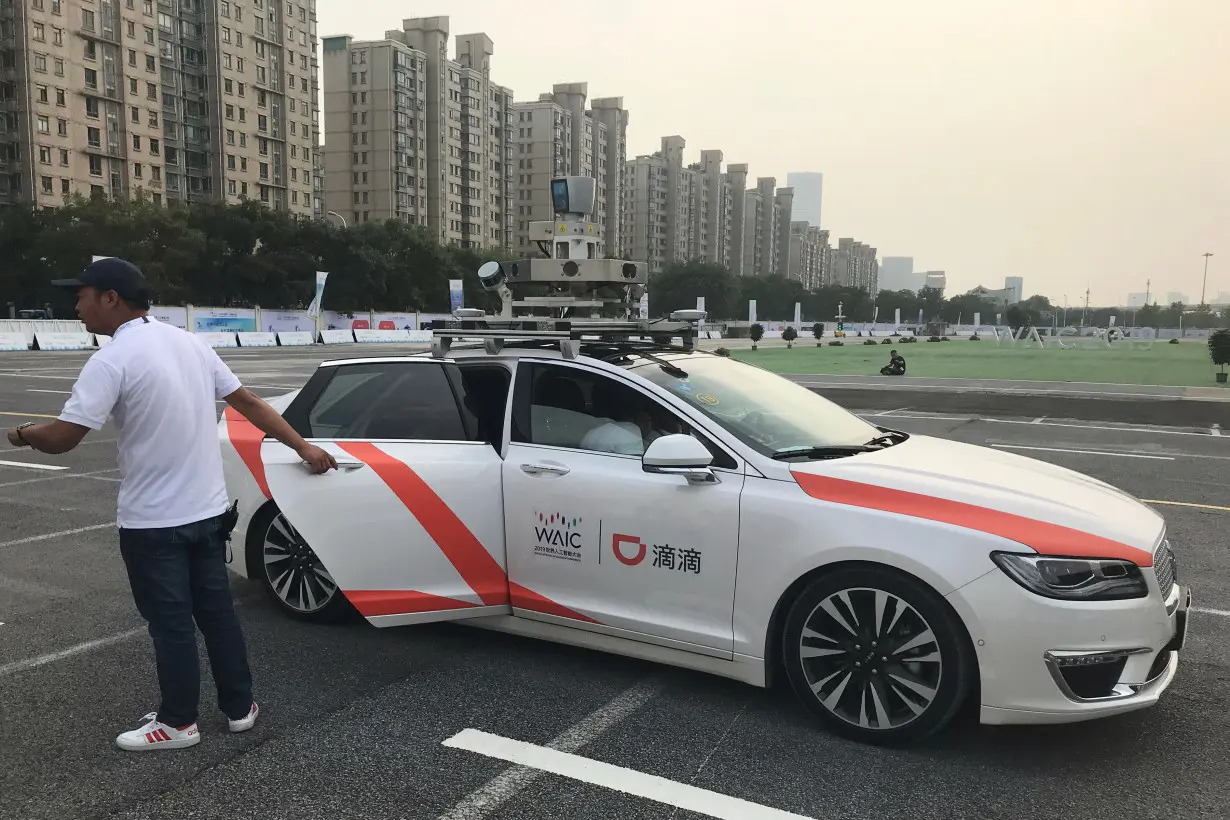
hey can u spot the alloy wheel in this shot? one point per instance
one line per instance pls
(295, 574)
(870, 658)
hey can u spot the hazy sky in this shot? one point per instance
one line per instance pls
(1071, 142)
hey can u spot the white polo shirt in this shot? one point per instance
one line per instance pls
(160, 385)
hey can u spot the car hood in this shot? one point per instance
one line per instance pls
(1053, 510)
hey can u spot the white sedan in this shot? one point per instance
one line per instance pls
(693, 510)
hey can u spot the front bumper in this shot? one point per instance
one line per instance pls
(1048, 661)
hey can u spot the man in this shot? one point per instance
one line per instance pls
(160, 385)
(895, 366)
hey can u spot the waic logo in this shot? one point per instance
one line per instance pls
(558, 535)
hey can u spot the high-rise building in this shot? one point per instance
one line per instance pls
(736, 178)
(1015, 284)
(761, 229)
(855, 266)
(936, 280)
(897, 273)
(808, 195)
(783, 201)
(415, 136)
(187, 101)
(711, 209)
(648, 210)
(809, 256)
(556, 136)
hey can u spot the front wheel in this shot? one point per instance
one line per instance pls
(291, 572)
(877, 655)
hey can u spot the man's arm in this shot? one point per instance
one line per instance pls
(53, 438)
(271, 423)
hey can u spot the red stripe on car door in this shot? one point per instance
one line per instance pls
(1043, 536)
(246, 438)
(524, 598)
(373, 602)
(463, 550)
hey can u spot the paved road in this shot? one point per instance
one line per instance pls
(355, 719)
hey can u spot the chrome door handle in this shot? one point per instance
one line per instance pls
(551, 469)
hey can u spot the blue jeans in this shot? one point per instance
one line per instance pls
(179, 583)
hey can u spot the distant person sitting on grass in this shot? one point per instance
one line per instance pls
(895, 366)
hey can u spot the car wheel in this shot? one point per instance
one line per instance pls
(291, 572)
(877, 655)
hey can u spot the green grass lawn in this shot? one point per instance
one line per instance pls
(1185, 365)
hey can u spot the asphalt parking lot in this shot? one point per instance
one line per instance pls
(355, 720)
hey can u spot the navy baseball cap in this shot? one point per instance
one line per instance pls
(111, 273)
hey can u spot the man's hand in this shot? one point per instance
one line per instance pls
(317, 459)
(14, 440)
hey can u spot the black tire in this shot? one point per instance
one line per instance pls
(325, 608)
(888, 706)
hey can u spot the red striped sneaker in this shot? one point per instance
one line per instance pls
(247, 722)
(157, 735)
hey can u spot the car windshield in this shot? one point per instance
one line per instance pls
(767, 412)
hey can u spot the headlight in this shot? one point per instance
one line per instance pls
(1074, 579)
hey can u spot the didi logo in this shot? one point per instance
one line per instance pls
(622, 544)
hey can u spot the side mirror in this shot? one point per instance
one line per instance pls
(679, 455)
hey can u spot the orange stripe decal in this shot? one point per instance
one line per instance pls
(246, 438)
(463, 550)
(373, 602)
(1043, 536)
(523, 598)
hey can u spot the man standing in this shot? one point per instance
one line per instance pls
(160, 385)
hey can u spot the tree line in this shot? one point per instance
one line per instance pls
(212, 253)
(727, 296)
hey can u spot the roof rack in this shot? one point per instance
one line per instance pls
(568, 334)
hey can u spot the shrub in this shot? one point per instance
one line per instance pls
(817, 330)
(945, 339)
(934, 339)
(887, 342)
(974, 338)
(1173, 341)
(836, 343)
(789, 335)
(721, 351)
(872, 342)
(755, 333)
(1219, 348)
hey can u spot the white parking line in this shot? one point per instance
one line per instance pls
(52, 657)
(1081, 452)
(29, 466)
(50, 535)
(61, 477)
(616, 778)
(503, 787)
(1225, 613)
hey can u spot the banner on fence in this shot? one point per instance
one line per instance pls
(258, 340)
(396, 321)
(340, 321)
(63, 341)
(287, 321)
(337, 337)
(314, 308)
(13, 341)
(456, 296)
(296, 338)
(217, 338)
(175, 316)
(219, 320)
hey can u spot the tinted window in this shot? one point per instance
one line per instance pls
(387, 400)
(485, 389)
(568, 407)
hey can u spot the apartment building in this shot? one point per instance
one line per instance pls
(647, 178)
(783, 201)
(187, 101)
(557, 136)
(762, 236)
(736, 178)
(711, 210)
(809, 256)
(855, 266)
(414, 136)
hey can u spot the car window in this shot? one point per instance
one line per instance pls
(387, 400)
(766, 411)
(582, 410)
(485, 398)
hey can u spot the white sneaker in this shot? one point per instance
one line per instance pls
(245, 723)
(157, 735)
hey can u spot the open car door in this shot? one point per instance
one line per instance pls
(411, 525)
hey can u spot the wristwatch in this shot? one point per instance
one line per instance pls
(21, 427)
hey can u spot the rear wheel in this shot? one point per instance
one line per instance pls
(291, 572)
(877, 655)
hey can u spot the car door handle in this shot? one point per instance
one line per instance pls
(550, 469)
(350, 465)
